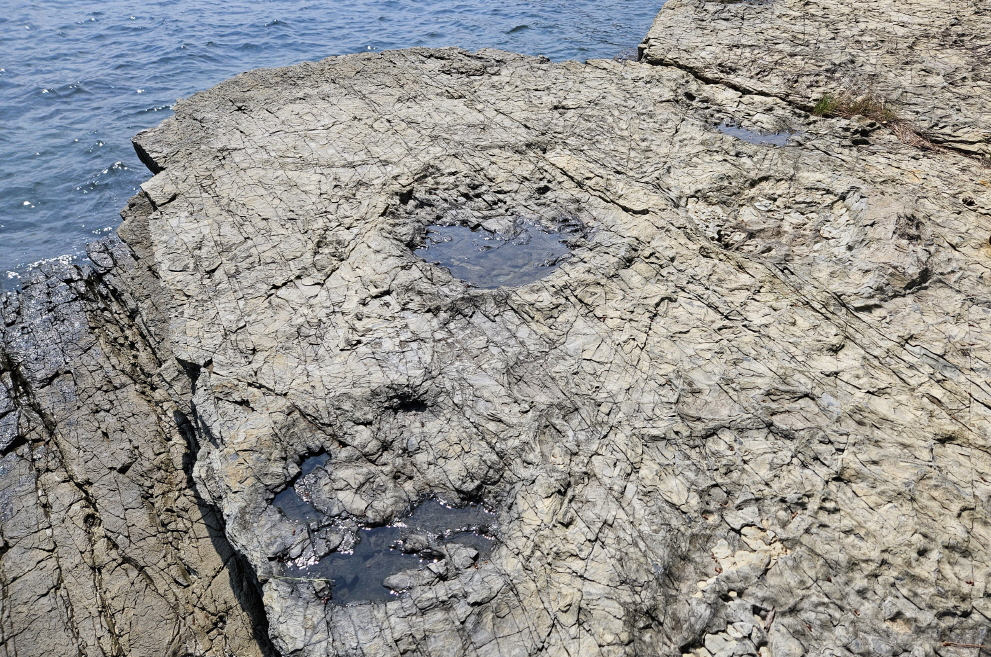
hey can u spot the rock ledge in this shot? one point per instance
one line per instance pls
(747, 415)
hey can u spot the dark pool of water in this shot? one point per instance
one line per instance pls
(312, 463)
(437, 519)
(411, 542)
(490, 260)
(358, 576)
(293, 505)
(78, 79)
(755, 137)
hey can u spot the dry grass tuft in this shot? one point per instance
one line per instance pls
(907, 133)
(848, 105)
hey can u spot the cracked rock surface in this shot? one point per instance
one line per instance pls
(747, 415)
(930, 59)
(105, 546)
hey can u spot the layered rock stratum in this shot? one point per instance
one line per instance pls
(748, 415)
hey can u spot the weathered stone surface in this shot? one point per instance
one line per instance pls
(760, 378)
(105, 546)
(748, 416)
(931, 58)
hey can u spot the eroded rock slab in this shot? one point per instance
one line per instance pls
(748, 413)
(931, 59)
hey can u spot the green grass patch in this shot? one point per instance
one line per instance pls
(826, 106)
(847, 105)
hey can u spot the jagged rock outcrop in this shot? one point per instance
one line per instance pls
(930, 59)
(105, 546)
(749, 414)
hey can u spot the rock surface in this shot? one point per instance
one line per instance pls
(105, 546)
(749, 415)
(932, 59)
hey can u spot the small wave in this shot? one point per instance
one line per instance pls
(26, 269)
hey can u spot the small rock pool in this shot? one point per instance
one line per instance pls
(488, 259)
(375, 564)
(754, 137)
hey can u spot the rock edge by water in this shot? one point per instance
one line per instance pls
(748, 415)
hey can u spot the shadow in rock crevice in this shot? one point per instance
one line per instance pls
(243, 579)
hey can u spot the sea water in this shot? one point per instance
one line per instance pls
(79, 78)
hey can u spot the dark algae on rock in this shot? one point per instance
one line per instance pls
(727, 397)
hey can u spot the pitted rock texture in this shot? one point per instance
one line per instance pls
(748, 415)
(931, 59)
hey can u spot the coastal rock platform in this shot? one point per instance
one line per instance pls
(746, 414)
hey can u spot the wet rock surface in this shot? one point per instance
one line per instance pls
(747, 414)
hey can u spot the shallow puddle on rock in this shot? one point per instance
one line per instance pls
(754, 137)
(358, 576)
(292, 505)
(433, 518)
(295, 507)
(412, 542)
(490, 260)
(312, 463)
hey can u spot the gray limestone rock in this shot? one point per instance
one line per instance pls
(931, 60)
(747, 414)
(106, 547)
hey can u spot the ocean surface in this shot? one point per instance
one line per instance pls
(78, 79)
